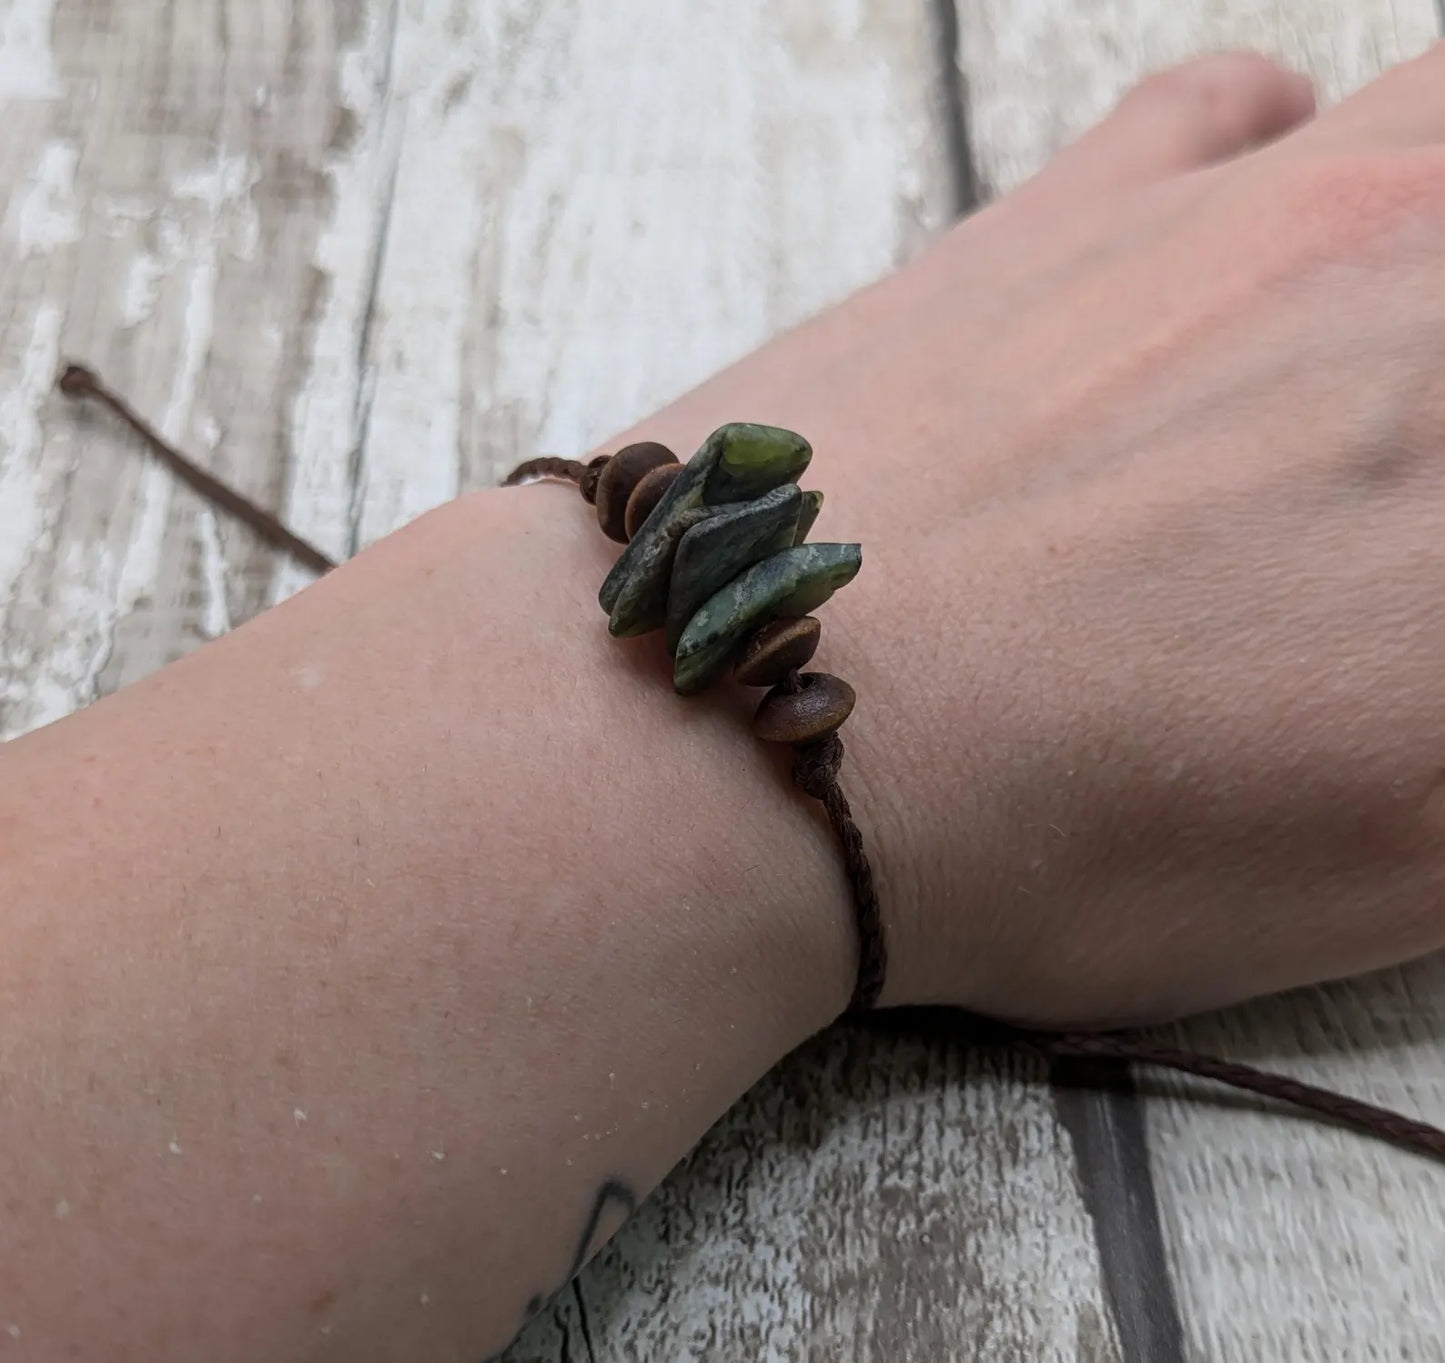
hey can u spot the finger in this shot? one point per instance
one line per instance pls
(1403, 108)
(1182, 119)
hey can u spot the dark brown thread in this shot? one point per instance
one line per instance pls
(815, 772)
(548, 466)
(562, 471)
(79, 382)
(1417, 1136)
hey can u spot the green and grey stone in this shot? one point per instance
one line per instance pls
(737, 462)
(753, 460)
(792, 582)
(641, 606)
(812, 505)
(710, 555)
(654, 543)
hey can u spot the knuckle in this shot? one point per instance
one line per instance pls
(1209, 89)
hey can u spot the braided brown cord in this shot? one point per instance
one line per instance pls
(1420, 1137)
(815, 773)
(548, 466)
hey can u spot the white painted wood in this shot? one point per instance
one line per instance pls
(362, 256)
(877, 1197)
(598, 205)
(1288, 1241)
(1039, 72)
(1293, 1240)
(163, 189)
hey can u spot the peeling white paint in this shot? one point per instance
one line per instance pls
(142, 287)
(324, 419)
(82, 600)
(215, 612)
(119, 214)
(22, 392)
(223, 190)
(44, 216)
(27, 64)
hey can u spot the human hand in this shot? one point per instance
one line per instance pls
(1145, 462)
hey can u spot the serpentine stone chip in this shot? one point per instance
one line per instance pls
(738, 462)
(753, 460)
(641, 606)
(711, 554)
(659, 533)
(812, 505)
(793, 582)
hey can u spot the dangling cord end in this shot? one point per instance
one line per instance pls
(79, 383)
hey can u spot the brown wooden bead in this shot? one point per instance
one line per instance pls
(780, 648)
(820, 706)
(619, 477)
(646, 495)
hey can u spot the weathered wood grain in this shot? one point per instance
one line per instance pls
(164, 188)
(887, 1194)
(1038, 72)
(363, 256)
(627, 206)
(596, 207)
(1285, 1240)
(1295, 1240)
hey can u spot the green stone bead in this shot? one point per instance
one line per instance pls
(807, 573)
(650, 552)
(812, 505)
(641, 606)
(710, 555)
(753, 460)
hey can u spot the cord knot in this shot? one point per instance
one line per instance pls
(589, 479)
(816, 765)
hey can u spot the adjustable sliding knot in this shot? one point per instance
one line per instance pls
(816, 766)
(587, 483)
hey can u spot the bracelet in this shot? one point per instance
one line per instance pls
(717, 557)
(749, 626)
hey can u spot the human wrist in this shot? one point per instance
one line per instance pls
(681, 814)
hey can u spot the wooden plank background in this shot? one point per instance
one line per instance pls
(361, 256)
